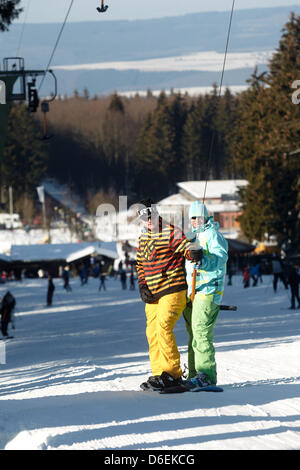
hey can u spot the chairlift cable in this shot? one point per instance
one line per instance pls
(23, 27)
(56, 43)
(220, 91)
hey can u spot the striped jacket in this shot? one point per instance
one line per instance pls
(160, 260)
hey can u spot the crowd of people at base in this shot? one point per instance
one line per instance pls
(85, 271)
(290, 280)
(8, 302)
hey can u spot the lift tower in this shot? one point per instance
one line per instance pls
(15, 86)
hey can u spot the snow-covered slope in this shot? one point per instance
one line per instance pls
(201, 61)
(72, 374)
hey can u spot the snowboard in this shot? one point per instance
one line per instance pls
(183, 388)
(146, 387)
(209, 388)
(175, 389)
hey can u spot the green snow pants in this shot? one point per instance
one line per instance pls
(200, 318)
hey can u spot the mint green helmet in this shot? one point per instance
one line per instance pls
(198, 209)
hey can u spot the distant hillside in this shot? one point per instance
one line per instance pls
(90, 42)
(109, 81)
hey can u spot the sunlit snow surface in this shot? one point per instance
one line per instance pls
(72, 374)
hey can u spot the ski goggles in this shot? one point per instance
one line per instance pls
(147, 212)
(200, 222)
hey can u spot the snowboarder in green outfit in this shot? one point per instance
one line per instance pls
(205, 291)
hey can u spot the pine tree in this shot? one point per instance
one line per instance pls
(209, 135)
(150, 176)
(118, 144)
(175, 117)
(9, 11)
(86, 94)
(25, 158)
(116, 104)
(205, 147)
(268, 132)
(192, 146)
(159, 147)
(225, 121)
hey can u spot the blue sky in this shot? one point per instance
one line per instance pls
(44, 11)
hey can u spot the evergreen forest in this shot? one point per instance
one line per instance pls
(106, 146)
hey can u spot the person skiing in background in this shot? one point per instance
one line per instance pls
(207, 287)
(229, 274)
(7, 305)
(254, 273)
(293, 280)
(83, 274)
(246, 277)
(162, 284)
(259, 272)
(132, 284)
(278, 273)
(66, 278)
(123, 277)
(50, 291)
(102, 281)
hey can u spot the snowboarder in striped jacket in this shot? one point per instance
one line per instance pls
(161, 277)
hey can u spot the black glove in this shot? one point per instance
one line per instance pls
(196, 255)
(146, 295)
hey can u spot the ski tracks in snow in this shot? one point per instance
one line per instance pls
(73, 372)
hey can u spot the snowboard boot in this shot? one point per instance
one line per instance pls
(164, 383)
(200, 380)
(171, 384)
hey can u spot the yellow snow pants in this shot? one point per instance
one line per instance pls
(161, 319)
